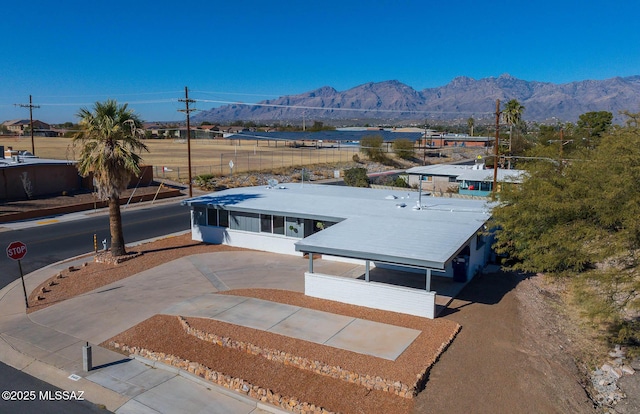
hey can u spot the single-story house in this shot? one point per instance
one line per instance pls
(381, 228)
(474, 180)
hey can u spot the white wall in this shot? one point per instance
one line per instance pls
(249, 240)
(371, 294)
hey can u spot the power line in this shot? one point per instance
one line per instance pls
(188, 110)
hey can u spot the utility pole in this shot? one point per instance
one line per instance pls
(495, 150)
(187, 101)
(30, 106)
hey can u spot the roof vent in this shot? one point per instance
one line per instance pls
(272, 182)
(390, 197)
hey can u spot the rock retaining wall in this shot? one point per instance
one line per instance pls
(317, 367)
(269, 396)
(237, 384)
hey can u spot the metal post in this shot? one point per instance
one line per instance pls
(366, 271)
(310, 262)
(428, 284)
(24, 288)
(87, 360)
(495, 160)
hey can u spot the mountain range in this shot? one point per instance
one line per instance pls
(459, 100)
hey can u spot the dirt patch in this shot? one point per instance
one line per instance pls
(510, 356)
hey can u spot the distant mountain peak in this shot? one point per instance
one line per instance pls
(459, 99)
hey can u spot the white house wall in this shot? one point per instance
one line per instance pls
(371, 294)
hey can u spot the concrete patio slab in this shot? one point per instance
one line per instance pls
(257, 314)
(311, 325)
(374, 338)
(206, 306)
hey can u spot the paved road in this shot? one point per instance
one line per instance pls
(50, 240)
(56, 239)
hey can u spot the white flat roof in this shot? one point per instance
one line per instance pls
(372, 225)
(24, 161)
(468, 172)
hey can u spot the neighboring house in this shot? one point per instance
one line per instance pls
(438, 140)
(475, 180)
(23, 175)
(379, 228)
(19, 126)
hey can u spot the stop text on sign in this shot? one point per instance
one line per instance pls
(16, 250)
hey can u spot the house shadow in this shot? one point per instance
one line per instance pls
(488, 288)
(213, 200)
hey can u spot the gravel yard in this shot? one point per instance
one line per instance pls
(513, 353)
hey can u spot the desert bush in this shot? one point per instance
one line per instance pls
(356, 177)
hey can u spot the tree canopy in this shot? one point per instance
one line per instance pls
(578, 217)
(404, 148)
(110, 141)
(371, 146)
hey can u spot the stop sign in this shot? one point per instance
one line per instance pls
(16, 250)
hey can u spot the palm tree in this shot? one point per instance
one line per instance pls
(470, 124)
(110, 139)
(512, 115)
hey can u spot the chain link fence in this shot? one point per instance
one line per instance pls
(257, 159)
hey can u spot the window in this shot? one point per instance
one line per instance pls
(244, 221)
(453, 179)
(295, 227)
(223, 218)
(199, 216)
(212, 217)
(278, 224)
(265, 223)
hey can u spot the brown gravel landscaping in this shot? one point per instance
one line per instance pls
(164, 333)
(514, 352)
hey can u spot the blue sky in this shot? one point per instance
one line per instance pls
(70, 54)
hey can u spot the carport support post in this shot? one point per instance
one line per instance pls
(310, 262)
(366, 271)
(428, 287)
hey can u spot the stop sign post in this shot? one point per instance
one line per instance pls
(16, 251)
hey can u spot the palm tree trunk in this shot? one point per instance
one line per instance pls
(115, 227)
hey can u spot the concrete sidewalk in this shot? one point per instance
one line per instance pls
(48, 343)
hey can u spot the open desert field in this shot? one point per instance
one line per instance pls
(169, 157)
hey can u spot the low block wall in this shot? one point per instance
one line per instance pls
(371, 294)
(73, 208)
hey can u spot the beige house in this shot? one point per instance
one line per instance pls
(19, 126)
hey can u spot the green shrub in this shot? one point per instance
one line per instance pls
(404, 148)
(356, 177)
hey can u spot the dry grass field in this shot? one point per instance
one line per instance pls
(170, 160)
